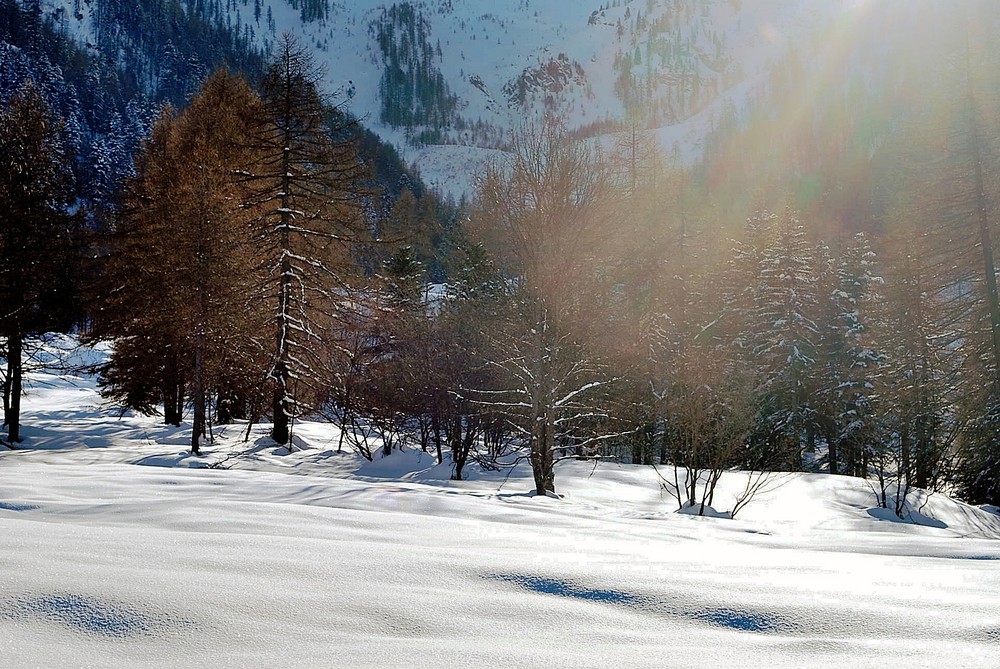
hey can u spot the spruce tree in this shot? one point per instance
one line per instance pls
(769, 320)
(848, 362)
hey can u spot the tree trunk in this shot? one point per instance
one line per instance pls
(15, 368)
(198, 395)
(541, 461)
(664, 451)
(542, 429)
(173, 395)
(692, 482)
(436, 427)
(459, 452)
(7, 380)
(541, 456)
(904, 457)
(280, 430)
(923, 455)
(280, 408)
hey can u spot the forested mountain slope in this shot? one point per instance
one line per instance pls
(464, 72)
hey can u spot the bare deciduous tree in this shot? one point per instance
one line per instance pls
(544, 209)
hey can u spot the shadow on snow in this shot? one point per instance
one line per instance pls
(729, 618)
(84, 614)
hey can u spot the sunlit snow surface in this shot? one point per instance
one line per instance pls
(314, 559)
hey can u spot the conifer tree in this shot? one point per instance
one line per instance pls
(848, 363)
(786, 314)
(136, 296)
(216, 260)
(945, 241)
(307, 189)
(182, 267)
(918, 385)
(769, 318)
(35, 190)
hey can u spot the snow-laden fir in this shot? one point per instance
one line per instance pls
(120, 549)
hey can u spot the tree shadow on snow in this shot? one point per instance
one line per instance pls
(742, 620)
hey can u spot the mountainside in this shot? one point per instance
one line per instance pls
(813, 89)
(464, 72)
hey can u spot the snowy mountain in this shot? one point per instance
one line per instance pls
(463, 73)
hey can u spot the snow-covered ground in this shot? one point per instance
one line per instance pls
(119, 549)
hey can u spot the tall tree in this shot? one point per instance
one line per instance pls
(544, 209)
(216, 260)
(182, 267)
(945, 212)
(136, 295)
(923, 354)
(848, 361)
(35, 190)
(307, 187)
(979, 125)
(769, 316)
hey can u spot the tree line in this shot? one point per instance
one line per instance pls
(591, 307)
(234, 250)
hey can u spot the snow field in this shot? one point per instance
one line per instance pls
(314, 558)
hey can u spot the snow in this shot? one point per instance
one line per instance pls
(451, 169)
(118, 548)
(486, 45)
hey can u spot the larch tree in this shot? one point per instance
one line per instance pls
(922, 359)
(976, 141)
(944, 157)
(177, 287)
(307, 189)
(657, 253)
(35, 191)
(215, 257)
(135, 296)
